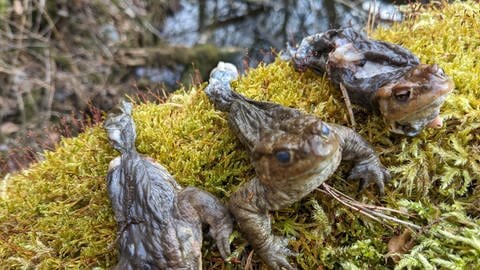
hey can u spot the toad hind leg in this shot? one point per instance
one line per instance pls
(212, 212)
(250, 208)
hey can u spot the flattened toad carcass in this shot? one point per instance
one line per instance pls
(159, 222)
(379, 76)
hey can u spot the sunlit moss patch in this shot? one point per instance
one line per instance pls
(56, 214)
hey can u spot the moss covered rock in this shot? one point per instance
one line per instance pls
(57, 215)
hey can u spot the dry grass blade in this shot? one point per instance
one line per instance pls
(348, 104)
(372, 211)
(248, 264)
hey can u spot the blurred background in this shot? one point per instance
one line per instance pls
(64, 63)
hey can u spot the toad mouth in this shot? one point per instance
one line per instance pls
(404, 129)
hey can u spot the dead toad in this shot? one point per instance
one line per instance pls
(292, 153)
(159, 222)
(379, 76)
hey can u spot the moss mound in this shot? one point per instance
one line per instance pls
(57, 215)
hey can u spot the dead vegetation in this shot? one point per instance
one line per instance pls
(62, 60)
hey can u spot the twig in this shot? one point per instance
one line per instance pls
(248, 263)
(362, 211)
(49, 75)
(372, 211)
(371, 17)
(130, 12)
(348, 104)
(24, 33)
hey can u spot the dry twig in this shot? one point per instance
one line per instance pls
(348, 104)
(372, 211)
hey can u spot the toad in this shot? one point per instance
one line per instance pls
(378, 76)
(292, 153)
(159, 222)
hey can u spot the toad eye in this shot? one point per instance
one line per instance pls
(441, 73)
(402, 95)
(283, 156)
(325, 130)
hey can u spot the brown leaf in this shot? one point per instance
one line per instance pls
(399, 245)
(9, 128)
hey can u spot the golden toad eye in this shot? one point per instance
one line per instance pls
(402, 95)
(283, 156)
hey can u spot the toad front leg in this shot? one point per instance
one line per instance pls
(367, 164)
(250, 208)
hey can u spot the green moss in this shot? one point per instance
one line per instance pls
(56, 214)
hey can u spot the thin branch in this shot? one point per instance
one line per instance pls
(130, 12)
(372, 211)
(50, 70)
(348, 104)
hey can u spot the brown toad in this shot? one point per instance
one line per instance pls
(159, 222)
(379, 76)
(292, 153)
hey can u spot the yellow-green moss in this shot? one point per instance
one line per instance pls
(57, 215)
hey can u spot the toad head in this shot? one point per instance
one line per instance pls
(121, 128)
(414, 101)
(309, 148)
